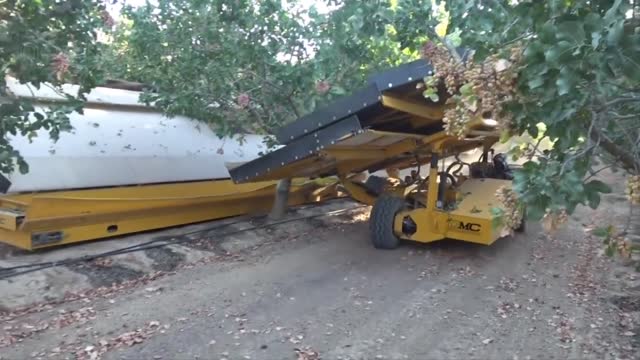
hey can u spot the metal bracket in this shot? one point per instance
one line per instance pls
(40, 239)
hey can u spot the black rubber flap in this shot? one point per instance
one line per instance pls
(323, 117)
(297, 150)
(401, 75)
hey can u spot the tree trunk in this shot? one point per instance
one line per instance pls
(281, 202)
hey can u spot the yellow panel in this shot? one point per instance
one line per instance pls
(126, 225)
(471, 221)
(355, 153)
(478, 197)
(9, 218)
(92, 214)
(437, 225)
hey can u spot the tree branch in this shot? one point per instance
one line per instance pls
(622, 100)
(627, 160)
(444, 41)
(594, 173)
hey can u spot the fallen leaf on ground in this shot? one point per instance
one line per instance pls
(306, 354)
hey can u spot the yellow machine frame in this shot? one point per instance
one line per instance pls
(39, 220)
(471, 221)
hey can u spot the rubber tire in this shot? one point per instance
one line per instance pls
(376, 184)
(381, 221)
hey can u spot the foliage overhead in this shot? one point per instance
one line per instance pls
(578, 75)
(248, 66)
(52, 42)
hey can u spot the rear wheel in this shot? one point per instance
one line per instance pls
(381, 221)
(376, 184)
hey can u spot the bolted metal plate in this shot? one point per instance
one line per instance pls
(401, 75)
(40, 239)
(297, 150)
(341, 108)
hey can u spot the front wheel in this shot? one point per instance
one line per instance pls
(381, 221)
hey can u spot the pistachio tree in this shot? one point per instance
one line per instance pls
(46, 43)
(252, 66)
(564, 72)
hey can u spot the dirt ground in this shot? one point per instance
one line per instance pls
(316, 289)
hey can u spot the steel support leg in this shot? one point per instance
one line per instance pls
(281, 201)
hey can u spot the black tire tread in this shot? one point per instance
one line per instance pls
(376, 184)
(381, 221)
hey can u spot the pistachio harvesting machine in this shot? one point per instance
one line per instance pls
(389, 126)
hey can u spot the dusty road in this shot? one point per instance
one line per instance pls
(317, 287)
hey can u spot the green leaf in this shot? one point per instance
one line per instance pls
(356, 22)
(548, 32)
(609, 251)
(431, 93)
(534, 50)
(599, 186)
(595, 39)
(594, 199)
(23, 167)
(536, 210)
(337, 90)
(601, 232)
(571, 31)
(430, 81)
(535, 82)
(615, 33)
(593, 21)
(558, 51)
(563, 85)
(466, 89)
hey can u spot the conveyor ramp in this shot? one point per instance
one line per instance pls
(386, 124)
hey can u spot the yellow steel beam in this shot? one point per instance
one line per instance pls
(342, 154)
(349, 166)
(413, 107)
(324, 193)
(410, 144)
(358, 192)
(91, 214)
(432, 190)
(290, 170)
